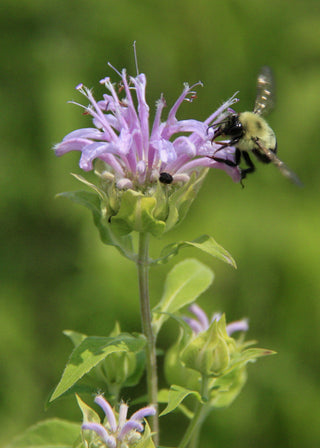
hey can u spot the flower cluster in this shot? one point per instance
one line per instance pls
(118, 431)
(137, 154)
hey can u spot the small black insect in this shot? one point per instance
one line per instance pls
(165, 178)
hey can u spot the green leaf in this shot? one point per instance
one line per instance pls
(227, 387)
(184, 283)
(163, 396)
(100, 192)
(205, 243)
(48, 434)
(90, 352)
(86, 198)
(176, 395)
(75, 337)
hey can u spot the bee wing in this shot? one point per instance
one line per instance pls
(281, 165)
(265, 92)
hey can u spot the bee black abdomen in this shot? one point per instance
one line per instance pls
(165, 178)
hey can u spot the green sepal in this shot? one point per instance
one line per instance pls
(205, 243)
(88, 414)
(52, 433)
(90, 352)
(146, 440)
(249, 355)
(176, 396)
(137, 212)
(181, 200)
(184, 283)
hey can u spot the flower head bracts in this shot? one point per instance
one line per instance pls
(136, 153)
(117, 431)
(202, 323)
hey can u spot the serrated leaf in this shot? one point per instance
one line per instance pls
(184, 283)
(90, 352)
(176, 395)
(48, 434)
(205, 243)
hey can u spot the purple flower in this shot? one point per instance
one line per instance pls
(136, 152)
(202, 323)
(118, 431)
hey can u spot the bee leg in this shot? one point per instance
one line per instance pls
(232, 163)
(249, 163)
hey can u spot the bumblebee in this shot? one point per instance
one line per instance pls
(250, 133)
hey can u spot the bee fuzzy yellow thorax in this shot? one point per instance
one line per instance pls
(254, 127)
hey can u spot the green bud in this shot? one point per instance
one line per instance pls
(177, 373)
(155, 210)
(209, 352)
(152, 208)
(137, 212)
(122, 368)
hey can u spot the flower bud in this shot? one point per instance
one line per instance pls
(176, 373)
(209, 352)
(155, 210)
(122, 368)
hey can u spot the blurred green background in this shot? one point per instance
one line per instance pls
(56, 275)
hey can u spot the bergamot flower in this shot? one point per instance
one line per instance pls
(149, 173)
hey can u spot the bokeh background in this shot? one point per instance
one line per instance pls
(55, 273)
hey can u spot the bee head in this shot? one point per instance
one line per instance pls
(231, 127)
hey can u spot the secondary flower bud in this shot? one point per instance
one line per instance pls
(209, 352)
(121, 369)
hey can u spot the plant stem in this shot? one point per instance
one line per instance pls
(151, 360)
(193, 429)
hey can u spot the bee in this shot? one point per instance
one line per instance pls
(250, 133)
